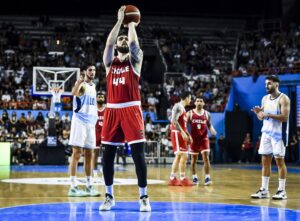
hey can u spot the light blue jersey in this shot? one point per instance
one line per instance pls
(274, 128)
(85, 106)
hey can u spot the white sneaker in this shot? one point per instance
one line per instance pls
(108, 203)
(280, 195)
(91, 191)
(207, 181)
(145, 204)
(261, 193)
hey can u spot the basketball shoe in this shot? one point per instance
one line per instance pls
(185, 182)
(260, 194)
(76, 192)
(108, 203)
(174, 182)
(195, 181)
(280, 195)
(144, 204)
(91, 191)
(207, 181)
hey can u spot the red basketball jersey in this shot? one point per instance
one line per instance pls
(99, 125)
(182, 120)
(122, 83)
(199, 125)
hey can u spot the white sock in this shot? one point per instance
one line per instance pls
(207, 176)
(281, 184)
(173, 176)
(195, 176)
(73, 181)
(110, 190)
(182, 176)
(143, 191)
(265, 182)
(88, 181)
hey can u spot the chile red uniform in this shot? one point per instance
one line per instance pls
(123, 119)
(178, 143)
(99, 125)
(199, 132)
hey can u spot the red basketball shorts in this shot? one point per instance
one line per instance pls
(123, 125)
(200, 145)
(178, 143)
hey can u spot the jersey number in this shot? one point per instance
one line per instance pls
(198, 126)
(117, 81)
(91, 101)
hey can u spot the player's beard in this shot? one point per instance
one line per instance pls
(100, 102)
(90, 77)
(123, 49)
(270, 91)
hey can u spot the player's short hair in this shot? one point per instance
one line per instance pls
(123, 32)
(273, 78)
(184, 95)
(87, 65)
(200, 97)
(100, 93)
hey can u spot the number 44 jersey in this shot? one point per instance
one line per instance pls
(122, 83)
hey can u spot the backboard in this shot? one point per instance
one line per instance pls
(45, 78)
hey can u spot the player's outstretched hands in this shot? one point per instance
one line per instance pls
(121, 13)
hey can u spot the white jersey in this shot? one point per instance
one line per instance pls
(272, 127)
(56, 96)
(85, 106)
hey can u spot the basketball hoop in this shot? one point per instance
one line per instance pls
(47, 78)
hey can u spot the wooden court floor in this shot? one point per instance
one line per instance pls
(232, 184)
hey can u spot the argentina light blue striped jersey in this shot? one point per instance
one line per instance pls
(85, 106)
(274, 128)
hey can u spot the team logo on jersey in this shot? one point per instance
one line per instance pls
(198, 121)
(120, 70)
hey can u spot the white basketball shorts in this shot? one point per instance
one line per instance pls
(82, 134)
(268, 146)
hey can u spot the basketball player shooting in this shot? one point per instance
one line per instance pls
(123, 119)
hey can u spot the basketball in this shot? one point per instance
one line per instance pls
(132, 14)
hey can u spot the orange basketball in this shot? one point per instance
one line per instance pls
(132, 14)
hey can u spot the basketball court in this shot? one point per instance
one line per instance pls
(40, 193)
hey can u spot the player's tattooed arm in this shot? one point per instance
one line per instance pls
(177, 111)
(136, 54)
(188, 116)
